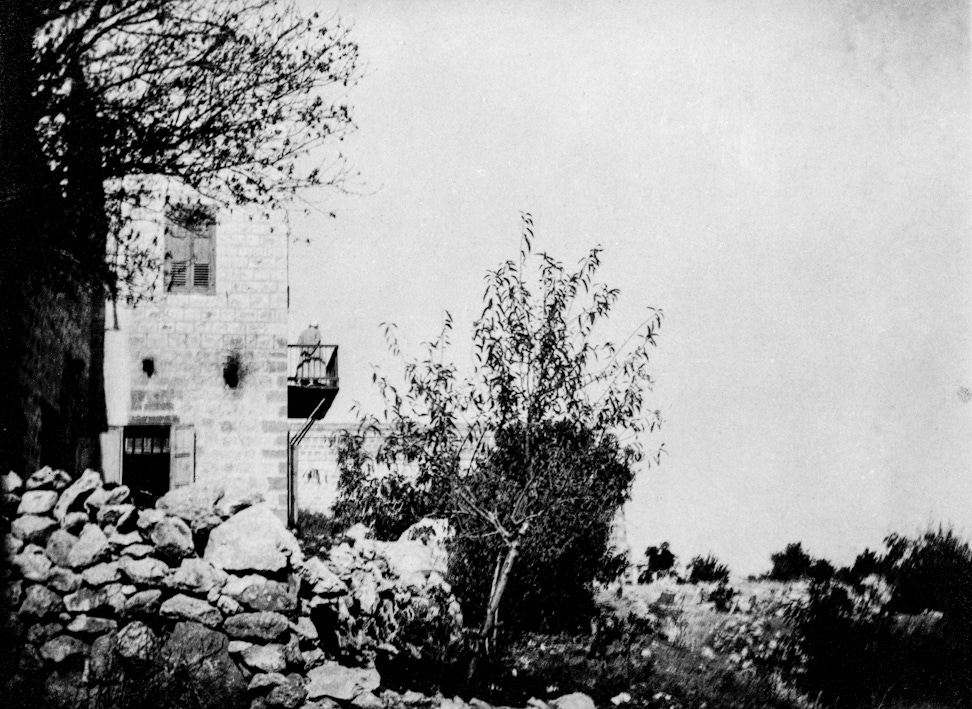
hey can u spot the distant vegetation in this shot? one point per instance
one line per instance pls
(707, 569)
(894, 626)
(659, 561)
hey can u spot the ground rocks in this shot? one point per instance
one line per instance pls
(334, 681)
(107, 593)
(252, 540)
(173, 538)
(217, 679)
(37, 502)
(182, 607)
(33, 564)
(265, 626)
(92, 546)
(76, 493)
(576, 700)
(137, 642)
(33, 528)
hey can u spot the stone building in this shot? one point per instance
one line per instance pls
(51, 277)
(200, 381)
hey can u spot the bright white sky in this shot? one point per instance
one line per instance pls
(789, 182)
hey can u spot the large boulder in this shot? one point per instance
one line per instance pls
(265, 658)
(334, 681)
(419, 552)
(91, 547)
(197, 576)
(289, 694)
(262, 594)
(77, 492)
(263, 625)
(91, 625)
(101, 574)
(40, 601)
(173, 538)
(59, 546)
(137, 642)
(254, 539)
(11, 483)
(182, 607)
(195, 504)
(64, 580)
(321, 580)
(142, 603)
(33, 564)
(47, 478)
(106, 496)
(63, 648)
(575, 700)
(37, 502)
(217, 681)
(33, 528)
(87, 600)
(147, 571)
(232, 503)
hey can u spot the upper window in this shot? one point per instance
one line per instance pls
(190, 249)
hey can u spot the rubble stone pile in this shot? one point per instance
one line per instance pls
(206, 594)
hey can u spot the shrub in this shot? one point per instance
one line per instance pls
(389, 503)
(791, 564)
(722, 596)
(660, 562)
(707, 569)
(901, 635)
(315, 531)
(551, 588)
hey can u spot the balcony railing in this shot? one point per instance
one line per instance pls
(312, 366)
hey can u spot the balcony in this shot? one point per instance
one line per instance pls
(312, 380)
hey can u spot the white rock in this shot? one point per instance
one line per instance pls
(338, 682)
(37, 502)
(254, 539)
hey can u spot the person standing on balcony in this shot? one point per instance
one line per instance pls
(310, 352)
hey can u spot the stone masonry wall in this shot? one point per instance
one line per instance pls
(205, 600)
(241, 432)
(56, 371)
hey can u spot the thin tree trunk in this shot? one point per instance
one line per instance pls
(486, 641)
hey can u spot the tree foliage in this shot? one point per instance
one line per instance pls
(659, 560)
(896, 627)
(707, 569)
(791, 564)
(581, 479)
(222, 97)
(494, 450)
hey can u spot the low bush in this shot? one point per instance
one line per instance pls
(707, 569)
(315, 531)
(721, 596)
(902, 635)
(791, 564)
(659, 561)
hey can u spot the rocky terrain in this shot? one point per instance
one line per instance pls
(207, 600)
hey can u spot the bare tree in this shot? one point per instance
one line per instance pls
(225, 97)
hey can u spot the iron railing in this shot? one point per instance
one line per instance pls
(312, 365)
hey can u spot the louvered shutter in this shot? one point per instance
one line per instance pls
(183, 456)
(178, 245)
(202, 259)
(111, 454)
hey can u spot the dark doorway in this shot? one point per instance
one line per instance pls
(145, 463)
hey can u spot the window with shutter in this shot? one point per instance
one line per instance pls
(183, 455)
(190, 249)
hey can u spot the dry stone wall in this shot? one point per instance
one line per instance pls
(206, 600)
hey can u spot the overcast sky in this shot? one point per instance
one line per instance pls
(789, 182)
